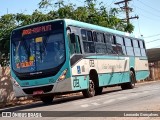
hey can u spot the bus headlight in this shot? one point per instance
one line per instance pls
(63, 75)
(15, 83)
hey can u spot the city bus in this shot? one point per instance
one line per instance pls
(63, 56)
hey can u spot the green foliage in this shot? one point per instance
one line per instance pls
(129, 28)
(7, 24)
(89, 13)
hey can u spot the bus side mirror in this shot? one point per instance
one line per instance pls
(73, 38)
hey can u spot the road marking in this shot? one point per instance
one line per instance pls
(89, 100)
(146, 92)
(85, 105)
(95, 104)
(133, 95)
(109, 101)
(122, 98)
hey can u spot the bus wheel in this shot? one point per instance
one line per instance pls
(47, 99)
(131, 84)
(99, 90)
(133, 80)
(90, 92)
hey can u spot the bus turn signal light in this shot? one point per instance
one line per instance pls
(63, 75)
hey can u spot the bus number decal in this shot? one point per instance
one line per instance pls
(76, 82)
(91, 63)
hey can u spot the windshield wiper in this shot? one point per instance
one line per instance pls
(27, 49)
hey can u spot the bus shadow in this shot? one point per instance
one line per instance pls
(111, 91)
(41, 104)
(55, 102)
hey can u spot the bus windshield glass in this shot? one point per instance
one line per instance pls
(37, 51)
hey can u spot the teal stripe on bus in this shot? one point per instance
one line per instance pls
(132, 62)
(80, 82)
(113, 78)
(106, 57)
(140, 75)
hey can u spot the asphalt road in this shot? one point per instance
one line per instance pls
(144, 97)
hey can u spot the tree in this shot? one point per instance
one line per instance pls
(7, 24)
(93, 12)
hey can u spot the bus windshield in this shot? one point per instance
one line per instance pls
(38, 52)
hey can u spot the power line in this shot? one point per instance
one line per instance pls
(155, 15)
(157, 46)
(112, 2)
(149, 6)
(152, 36)
(149, 18)
(153, 41)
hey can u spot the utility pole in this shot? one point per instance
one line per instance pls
(7, 10)
(59, 3)
(127, 10)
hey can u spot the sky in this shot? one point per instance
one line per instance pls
(148, 11)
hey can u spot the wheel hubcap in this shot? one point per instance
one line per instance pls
(91, 88)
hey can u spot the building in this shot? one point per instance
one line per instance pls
(154, 63)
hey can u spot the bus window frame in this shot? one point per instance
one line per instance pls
(82, 41)
(121, 45)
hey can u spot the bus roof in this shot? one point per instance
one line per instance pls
(99, 28)
(85, 25)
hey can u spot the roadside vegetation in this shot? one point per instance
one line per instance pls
(93, 11)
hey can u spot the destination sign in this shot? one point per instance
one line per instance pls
(38, 29)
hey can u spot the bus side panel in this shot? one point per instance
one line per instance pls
(113, 78)
(80, 82)
(80, 74)
(141, 75)
(142, 70)
(113, 70)
(132, 62)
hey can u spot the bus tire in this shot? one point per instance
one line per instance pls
(98, 90)
(90, 92)
(47, 99)
(131, 84)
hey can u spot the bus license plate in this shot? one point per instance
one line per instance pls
(38, 92)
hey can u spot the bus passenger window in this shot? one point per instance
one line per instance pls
(142, 47)
(88, 47)
(100, 37)
(128, 42)
(129, 48)
(110, 43)
(78, 45)
(89, 35)
(114, 47)
(135, 43)
(88, 44)
(143, 52)
(108, 38)
(119, 40)
(120, 45)
(94, 37)
(137, 50)
(84, 34)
